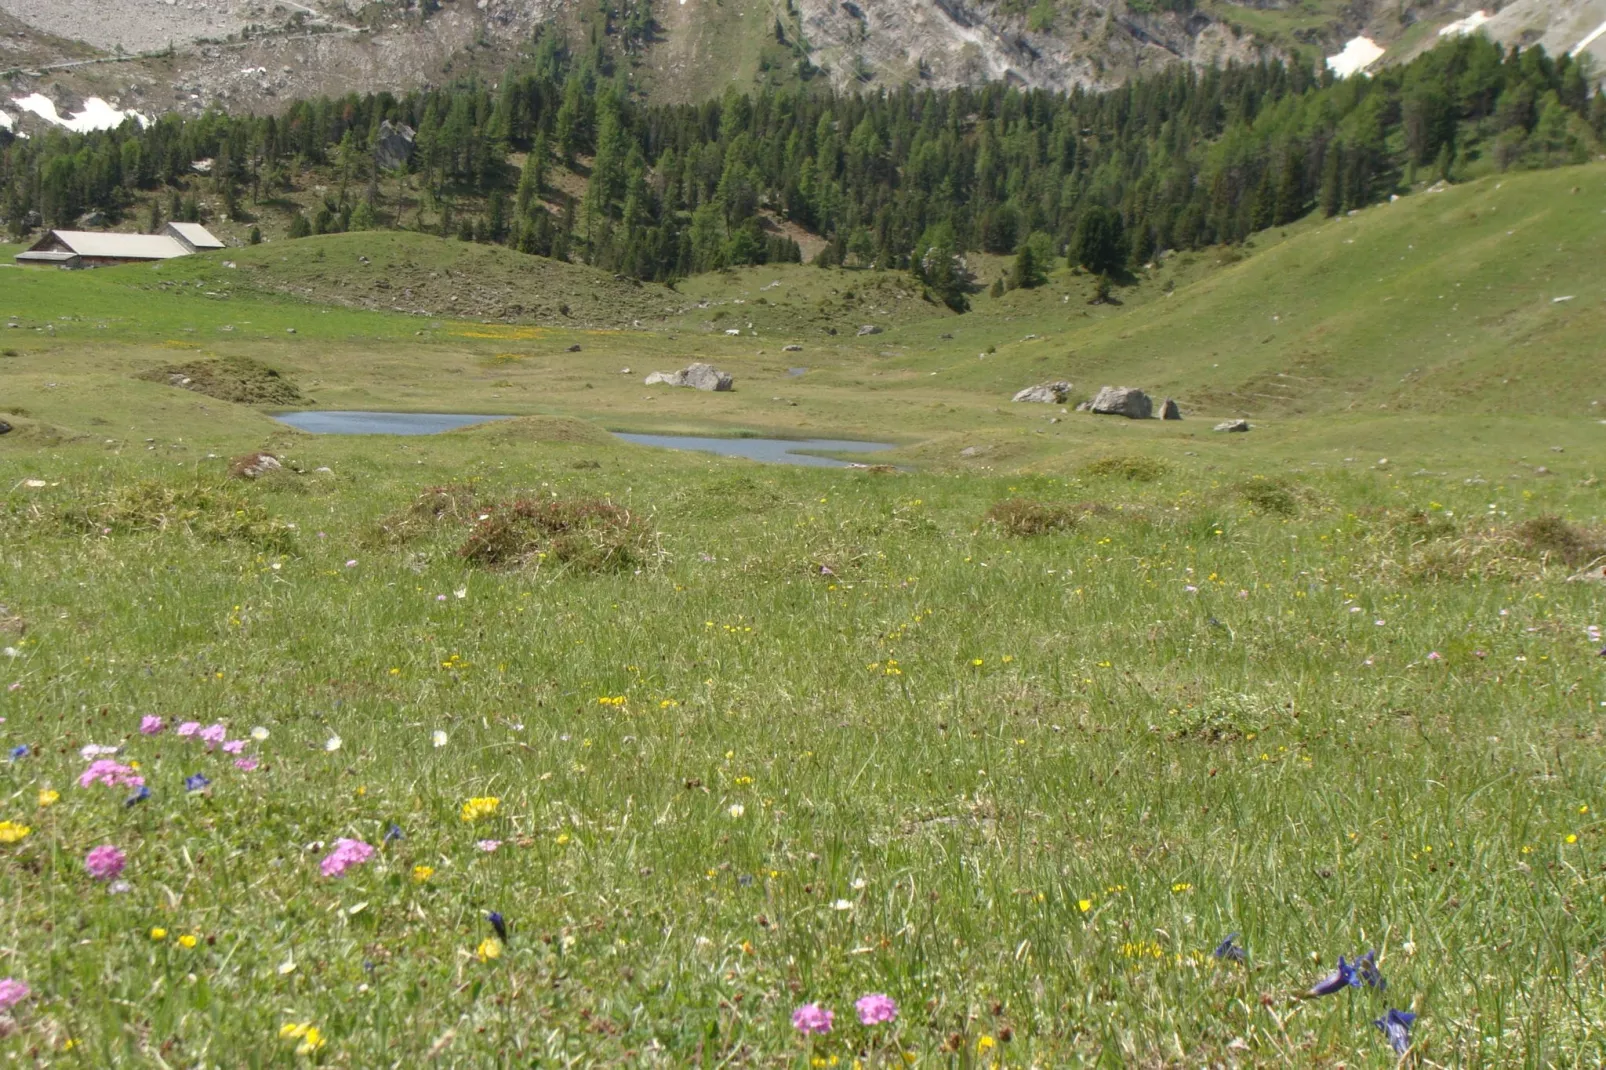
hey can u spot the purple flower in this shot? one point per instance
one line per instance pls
(1396, 1026)
(499, 924)
(488, 846)
(150, 725)
(12, 992)
(812, 1018)
(875, 1008)
(247, 764)
(234, 746)
(114, 774)
(394, 833)
(188, 728)
(213, 734)
(104, 862)
(347, 853)
(141, 793)
(1367, 964)
(197, 782)
(1228, 950)
(19, 751)
(1341, 978)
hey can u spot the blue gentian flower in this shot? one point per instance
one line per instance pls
(198, 782)
(394, 833)
(1396, 1026)
(19, 751)
(1229, 950)
(1341, 978)
(1367, 964)
(141, 793)
(498, 924)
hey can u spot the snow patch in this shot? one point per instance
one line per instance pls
(1359, 53)
(6, 121)
(96, 115)
(1462, 27)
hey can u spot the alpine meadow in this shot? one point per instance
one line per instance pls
(1113, 578)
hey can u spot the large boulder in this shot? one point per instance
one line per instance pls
(1232, 425)
(395, 145)
(697, 376)
(1054, 393)
(1170, 410)
(1126, 401)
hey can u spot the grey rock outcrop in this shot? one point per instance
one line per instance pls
(697, 377)
(395, 145)
(1126, 401)
(1232, 425)
(1045, 393)
(1170, 410)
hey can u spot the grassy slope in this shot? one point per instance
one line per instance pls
(1362, 339)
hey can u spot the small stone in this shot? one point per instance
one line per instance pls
(869, 328)
(1232, 425)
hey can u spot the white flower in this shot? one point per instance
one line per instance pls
(461, 592)
(858, 883)
(438, 738)
(259, 733)
(332, 744)
(11, 652)
(737, 810)
(841, 904)
(95, 750)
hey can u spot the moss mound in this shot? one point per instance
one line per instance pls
(238, 379)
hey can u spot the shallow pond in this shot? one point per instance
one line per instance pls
(381, 423)
(769, 450)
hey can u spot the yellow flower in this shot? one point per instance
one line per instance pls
(985, 1044)
(484, 806)
(311, 1041)
(11, 832)
(1571, 837)
(563, 838)
(49, 797)
(1084, 905)
(187, 940)
(490, 948)
(158, 934)
(423, 873)
(1181, 886)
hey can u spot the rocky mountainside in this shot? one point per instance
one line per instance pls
(153, 56)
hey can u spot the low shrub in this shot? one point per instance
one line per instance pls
(1023, 517)
(590, 535)
(1550, 537)
(1136, 469)
(238, 379)
(433, 509)
(216, 514)
(1269, 495)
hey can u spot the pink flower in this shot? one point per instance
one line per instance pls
(110, 773)
(213, 734)
(876, 1007)
(104, 862)
(1435, 656)
(12, 992)
(248, 764)
(188, 728)
(150, 725)
(488, 845)
(234, 746)
(812, 1018)
(347, 853)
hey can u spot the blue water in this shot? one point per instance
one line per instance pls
(769, 450)
(380, 423)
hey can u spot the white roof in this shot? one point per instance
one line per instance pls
(121, 246)
(197, 235)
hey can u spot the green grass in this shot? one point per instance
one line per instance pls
(858, 737)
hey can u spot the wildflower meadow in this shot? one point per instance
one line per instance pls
(833, 771)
